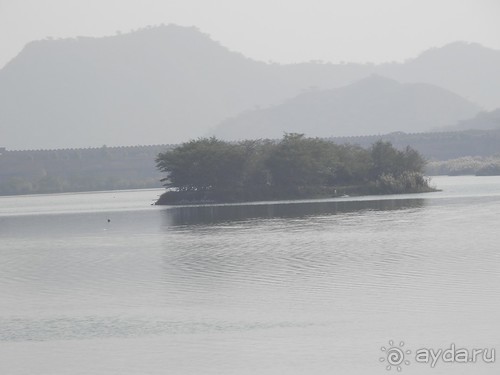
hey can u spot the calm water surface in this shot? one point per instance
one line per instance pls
(308, 287)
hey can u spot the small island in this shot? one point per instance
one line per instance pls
(210, 170)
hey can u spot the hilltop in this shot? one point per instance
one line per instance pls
(371, 105)
(167, 84)
(482, 121)
(467, 69)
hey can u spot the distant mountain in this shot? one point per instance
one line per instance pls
(168, 84)
(467, 69)
(157, 85)
(371, 106)
(482, 121)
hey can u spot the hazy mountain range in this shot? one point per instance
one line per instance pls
(483, 120)
(168, 84)
(369, 106)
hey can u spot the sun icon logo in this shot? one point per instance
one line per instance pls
(395, 356)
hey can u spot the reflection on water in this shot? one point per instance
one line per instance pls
(309, 287)
(210, 214)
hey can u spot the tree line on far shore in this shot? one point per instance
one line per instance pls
(213, 170)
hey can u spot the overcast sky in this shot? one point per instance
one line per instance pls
(267, 30)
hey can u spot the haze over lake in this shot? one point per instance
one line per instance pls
(209, 188)
(304, 287)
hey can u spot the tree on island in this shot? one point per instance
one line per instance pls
(212, 170)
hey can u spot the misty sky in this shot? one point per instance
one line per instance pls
(267, 30)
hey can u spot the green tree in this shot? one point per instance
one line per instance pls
(389, 161)
(209, 169)
(203, 164)
(297, 162)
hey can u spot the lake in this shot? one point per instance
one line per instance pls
(105, 283)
